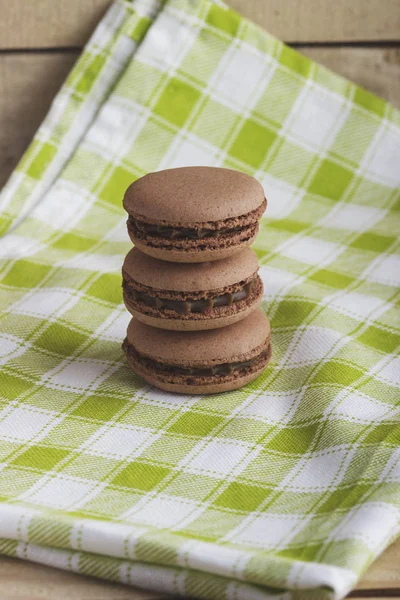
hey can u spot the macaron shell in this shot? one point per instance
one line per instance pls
(219, 345)
(209, 388)
(192, 256)
(189, 277)
(193, 195)
(193, 325)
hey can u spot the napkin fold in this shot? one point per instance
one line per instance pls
(287, 488)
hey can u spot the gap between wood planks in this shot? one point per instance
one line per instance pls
(297, 45)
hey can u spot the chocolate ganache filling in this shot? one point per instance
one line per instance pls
(176, 233)
(219, 369)
(188, 306)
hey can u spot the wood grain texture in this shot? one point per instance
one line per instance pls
(384, 573)
(28, 83)
(289, 20)
(324, 20)
(376, 69)
(48, 23)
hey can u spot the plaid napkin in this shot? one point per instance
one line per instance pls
(288, 488)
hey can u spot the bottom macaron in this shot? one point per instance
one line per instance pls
(200, 362)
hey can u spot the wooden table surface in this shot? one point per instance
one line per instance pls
(39, 43)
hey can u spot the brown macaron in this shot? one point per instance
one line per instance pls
(191, 296)
(194, 214)
(200, 362)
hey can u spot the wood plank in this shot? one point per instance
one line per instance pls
(56, 23)
(48, 23)
(28, 83)
(376, 69)
(384, 573)
(324, 20)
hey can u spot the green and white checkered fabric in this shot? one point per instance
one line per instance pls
(288, 488)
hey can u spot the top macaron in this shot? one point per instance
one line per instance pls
(194, 214)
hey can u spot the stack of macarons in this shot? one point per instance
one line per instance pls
(191, 282)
